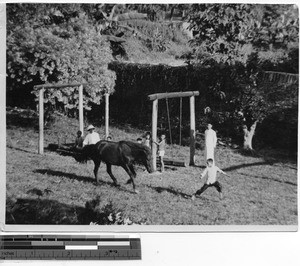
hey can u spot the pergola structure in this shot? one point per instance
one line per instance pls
(158, 96)
(42, 88)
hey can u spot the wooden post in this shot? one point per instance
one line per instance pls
(192, 130)
(80, 107)
(106, 115)
(154, 132)
(41, 121)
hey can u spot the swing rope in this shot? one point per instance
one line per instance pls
(168, 113)
(180, 121)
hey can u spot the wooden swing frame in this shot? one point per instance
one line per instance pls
(42, 88)
(158, 96)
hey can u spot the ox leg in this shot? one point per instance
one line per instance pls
(108, 169)
(132, 175)
(131, 167)
(96, 168)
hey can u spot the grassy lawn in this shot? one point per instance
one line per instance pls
(258, 190)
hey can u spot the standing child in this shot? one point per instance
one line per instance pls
(210, 142)
(79, 140)
(147, 141)
(161, 151)
(211, 181)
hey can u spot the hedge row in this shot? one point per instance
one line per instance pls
(130, 104)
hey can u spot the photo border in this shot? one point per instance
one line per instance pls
(97, 228)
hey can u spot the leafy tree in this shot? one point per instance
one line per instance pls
(247, 95)
(231, 32)
(57, 44)
(278, 26)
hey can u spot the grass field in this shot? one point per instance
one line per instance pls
(258, 191)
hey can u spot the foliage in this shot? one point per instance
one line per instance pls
(62, 43)
(39, 211)
(160, 12)
(278, 26)
(230, 32)
(45, 211)
(280, 60)
(280, 128)
(156, 35)
(235, 94)
(52, 47)
(251, 38)
(99, 213)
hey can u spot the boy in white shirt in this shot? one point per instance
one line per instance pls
(211, 181)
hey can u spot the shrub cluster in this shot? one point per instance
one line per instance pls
(223, 88)
(45, 211)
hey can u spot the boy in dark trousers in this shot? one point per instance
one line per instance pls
(211, 181)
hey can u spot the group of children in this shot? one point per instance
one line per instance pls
(210, 172)
(160, 145)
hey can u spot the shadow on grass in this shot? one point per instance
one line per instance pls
(273, 156)
(64, 174)
(272, 179)
(199, 166)
(81, 178)
(169, 190)
(23, 150)
(235, 167)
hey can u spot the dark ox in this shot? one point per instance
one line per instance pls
(123, 153)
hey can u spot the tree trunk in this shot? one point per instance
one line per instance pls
(248, 136)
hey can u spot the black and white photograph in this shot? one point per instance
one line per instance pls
(140, 115)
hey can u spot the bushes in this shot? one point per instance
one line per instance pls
(135, 81)
(280, 130)
(234, 94)
(40, 211)
(98, 213)
(47, 211)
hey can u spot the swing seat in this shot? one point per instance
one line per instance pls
(173, 162)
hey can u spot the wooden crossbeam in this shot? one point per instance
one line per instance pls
(58, 86)
(158, 96)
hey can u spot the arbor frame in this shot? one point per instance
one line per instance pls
(158, 96)
(42, 88)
